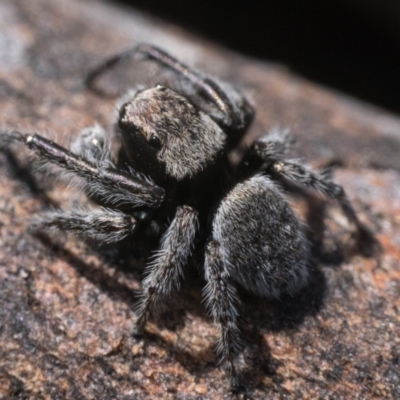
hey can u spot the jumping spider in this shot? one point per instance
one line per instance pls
(173, 166)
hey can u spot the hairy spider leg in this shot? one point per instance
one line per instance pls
(267, 149)
(100, 179)
(237, 113)
(114, 186)
(222, 301)
(267, 154)
(98, 225)
(164, 271)
(318, 182)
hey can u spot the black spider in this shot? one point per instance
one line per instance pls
(173, 165)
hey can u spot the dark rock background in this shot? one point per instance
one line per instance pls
(66, 308)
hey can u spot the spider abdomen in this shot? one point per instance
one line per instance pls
(262, 241)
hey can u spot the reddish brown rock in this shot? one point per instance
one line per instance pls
(66, 309)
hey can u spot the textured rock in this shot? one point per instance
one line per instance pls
(66, 309)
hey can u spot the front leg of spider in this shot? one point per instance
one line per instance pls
(235, 112)
(165, 271)
(99, 178)
(105, 181)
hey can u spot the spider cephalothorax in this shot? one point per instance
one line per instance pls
(173, 176)
(178, 138)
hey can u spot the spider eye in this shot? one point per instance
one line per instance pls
(155, 142)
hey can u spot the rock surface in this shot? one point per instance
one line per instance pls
(66, 309)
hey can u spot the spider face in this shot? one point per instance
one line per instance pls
(164, 134)
(236, 216)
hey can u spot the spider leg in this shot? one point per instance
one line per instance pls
(236, 111)
(222, 301)
(98, 225)
(319, 182)
(274, 145)
(267, 153)
(106, 182)
(267, 149)
(164, 272)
